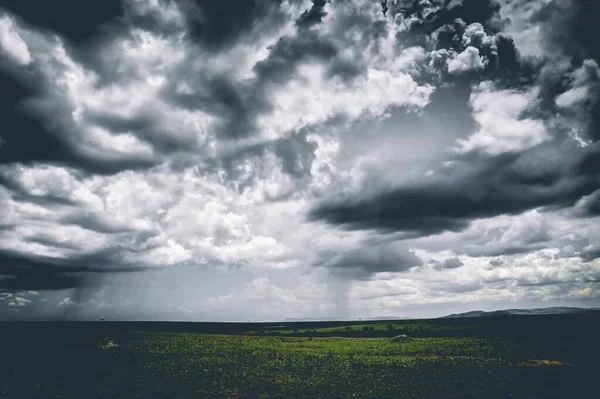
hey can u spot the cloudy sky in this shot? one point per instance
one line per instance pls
(268, 159)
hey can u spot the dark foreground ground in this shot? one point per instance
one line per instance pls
(501, 357)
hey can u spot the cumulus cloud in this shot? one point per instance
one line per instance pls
(149, 144)
(502, 127)
(468, 60)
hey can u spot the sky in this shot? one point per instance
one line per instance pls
(270, 159)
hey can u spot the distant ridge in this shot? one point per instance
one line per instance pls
(520, 312)
(299, 319)
(474, 313)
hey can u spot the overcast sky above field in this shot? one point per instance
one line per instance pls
(261, 160)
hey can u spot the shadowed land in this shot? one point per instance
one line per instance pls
(543, 356)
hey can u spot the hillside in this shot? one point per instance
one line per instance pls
(521, 312)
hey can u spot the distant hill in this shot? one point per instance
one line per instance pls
(465, 315)
(520, 312)
(301, 319)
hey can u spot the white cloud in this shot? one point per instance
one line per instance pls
(11, 43)
(312, 96)
(67, 302)
(314, 99)
(502, 126)
(468, 60)
(475, 36)
(174, 218)
(19, 302)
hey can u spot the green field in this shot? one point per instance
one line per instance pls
(147, 360)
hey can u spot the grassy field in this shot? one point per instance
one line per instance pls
(522, 357)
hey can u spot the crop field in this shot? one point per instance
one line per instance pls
(516, 357)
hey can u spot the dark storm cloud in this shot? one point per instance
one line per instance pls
(26, 139)
(217, 24)
(436, 16)
(20, 131)
(451, 263)
(48, 279)
(451, 30)
(496, 262)
(76, 20)
(312, 16)
(590, 205)
(552, 175)
(591, 254)
(97, 222)
(384, 7)
(425, 18)
(506, 55)
(50, 241)
(20, 271)
(585, 31)
(364, 262)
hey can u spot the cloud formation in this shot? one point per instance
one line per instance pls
(149, 144)
(364, 262)
(467, 190)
